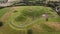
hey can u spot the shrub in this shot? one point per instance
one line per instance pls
(20, 18)
(15, 11)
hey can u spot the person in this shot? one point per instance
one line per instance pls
(58, 10)
(47, 16)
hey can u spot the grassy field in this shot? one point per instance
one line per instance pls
(25, 15)
(35, 9)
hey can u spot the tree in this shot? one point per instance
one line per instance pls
(29, 31)
(1, 23)
(26, 1)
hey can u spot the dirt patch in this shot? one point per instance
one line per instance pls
(37, 28)
(54, 25)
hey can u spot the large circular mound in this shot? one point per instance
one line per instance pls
(26, 16)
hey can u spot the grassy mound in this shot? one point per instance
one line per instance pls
(29, 14)
(21, 13)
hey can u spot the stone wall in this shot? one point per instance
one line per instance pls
(14, 0)
(3, 1)
(53, 0)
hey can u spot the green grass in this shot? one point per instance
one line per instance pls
(29, 11)
(57, 19)
(46, 33)
(8, 29)
(20, 18)
(47, 28)
(3, 11)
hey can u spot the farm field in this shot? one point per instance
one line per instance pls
(21, 19)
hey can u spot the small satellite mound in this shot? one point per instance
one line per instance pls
(1, 24)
